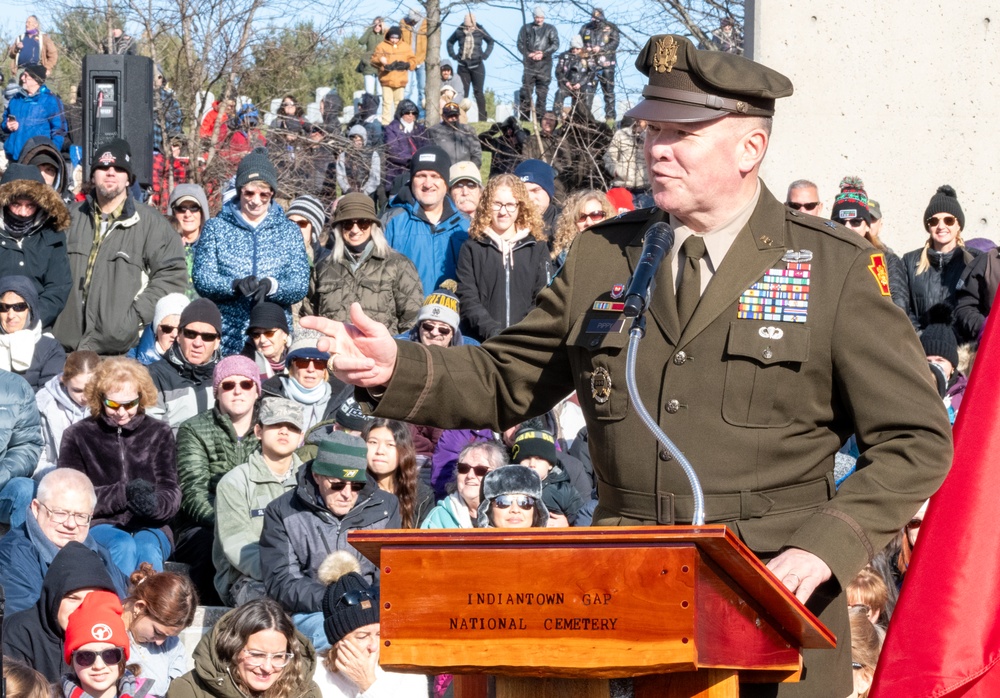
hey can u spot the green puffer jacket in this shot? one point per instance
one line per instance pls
(386, 285)
(207, 449)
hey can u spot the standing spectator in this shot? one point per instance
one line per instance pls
(331, 108)
(137, 493)
(403, 137)
(364, 269)
(245, 134)
(217, 114)
(245, 491)
(575, 75)
(539, 180)
(359, 168)
(414, 30)
(394, 60)
(32, 241)
(505, 141)
(430, 231)
(727, 37)
(189, 204)
(62, 402)
(392, 463)
(582, 210)
(33, 47)
(537, 42)
(505, 262)
(624, 160)
(160, 334)
(290, 118)
(209, 445)
(168, 119)
(268, 338)
(934, 270)
(470, 45)
(465, 186)
(458, 140)
(183, 377)
(24, 350)
(33, 111)
(120, 44)
(543, 145)
(123, 256)
(449, 78)
(600, 42)
(250, 252)
(370, 41)
(20, 447)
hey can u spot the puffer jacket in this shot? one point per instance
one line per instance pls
(183, 390)
(21, 427)
(46, 355)
(482, 45)
(389, 76)
(458, 140)
(299, 532)
(938, 284)
(40, 114)
(211, 677)
(386, 285)
(58, 413)
(207, 449)
(139, 261)
(976, 292)
(229, 249)
(147, 350)
(433, 249)
(41, 254)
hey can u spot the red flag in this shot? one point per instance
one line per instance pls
(944, 636)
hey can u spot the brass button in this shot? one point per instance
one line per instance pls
(673, 406)
(665, 454)
(679, 358)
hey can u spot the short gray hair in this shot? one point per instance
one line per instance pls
(802, 184)
(496, 453)
(62, 479)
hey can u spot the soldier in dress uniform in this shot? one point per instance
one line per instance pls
(771, 338)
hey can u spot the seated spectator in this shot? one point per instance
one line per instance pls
(32, 238)
(437, 322)
(159, 336)
(505, 262)
(404, 136)
(209, 445)
(868, 593)
(460, 508)
(334, 495)
(505, 141)
(512, 498)
(21, 681)
(975, 294)
(268, 338)
(35, 635)
(366, 114)
(159, 606)
(245, 491)
(183, 377)
(448, 77)
(260, 653)
(20, 447)
(392, 463)
(866, 646)
(24, 349)
(540, 180)
(359, 168)
(32, 111)
(536, 449)
(189, 204)
(445, 455)
(458, 140)
(350, 667)
(349, 419)
(620, 200)
(364, 269)
(581, 211)
(42, 153)
(941, 348)
(465, 187)
(137, 493)
(99, 667)
(308, 381)
(307, 212)
(61, 512)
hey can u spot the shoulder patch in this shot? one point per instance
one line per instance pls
(880, 271)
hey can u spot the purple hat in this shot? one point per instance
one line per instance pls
(236, 365)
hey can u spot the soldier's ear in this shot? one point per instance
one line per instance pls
(752, 147)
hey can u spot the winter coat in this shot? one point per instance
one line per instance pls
(506, 151)
(168, 109)
(936, 285)
(183, 390)
(450, 512)
(40, 145)
(58, 412)
(400, 147)
(482, 45)
(33, 635)
(207, 449)
(230, 249)
(533, 38)
(625, 160)
(602, 35)
(48, 54)
(899, 284)
(275, 387)
(147, 351)
(25, 557)
(241, 497)
(559, 481)
(211, 677)
(139, 261)
(389, 75)
(27, 352)
(113, 456)
(496, 290)
(975, 293)
(433, 249)
(416, 40)
(359, 170)
(41, 254)
(20, 432)
(458, 140)
(299, 532)
(575, 69)
(386, 285)
(40, 114)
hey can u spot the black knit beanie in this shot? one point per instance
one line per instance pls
(256, 166)
(945, 200)
(268, 316)
(349, 602)
(533, 443)
(851, 202)
(202, 310)
(432, 158)
(938, 337)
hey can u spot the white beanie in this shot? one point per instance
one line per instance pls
(170, 304)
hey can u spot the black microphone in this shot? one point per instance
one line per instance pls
(656, 245)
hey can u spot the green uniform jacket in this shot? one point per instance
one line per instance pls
(759, 413)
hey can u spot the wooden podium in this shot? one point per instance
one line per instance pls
(689, 610)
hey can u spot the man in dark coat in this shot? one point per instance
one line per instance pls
(600, 44)
(537, 42)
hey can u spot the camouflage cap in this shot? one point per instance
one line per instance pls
(687, 85)
(278, 410)
(343, 456)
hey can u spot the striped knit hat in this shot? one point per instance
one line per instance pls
(851, 202)
(342, 456)
(310, 208)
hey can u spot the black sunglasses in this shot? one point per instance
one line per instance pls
(339, 486)
(356, 597)
(110, 657)
(808, 206)
(16, 307)
(479, 470)
(205, 336)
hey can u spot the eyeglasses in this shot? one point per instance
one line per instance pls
(231, 385)
(302, 223)
(205, 336)
(854, 222)
(59, 516)
(168, 329)
(593, 216)
(498, 207)
(466, 184)
(522, 501)
(257, 334)
(279, 660)
(362, 224)
(434, 329)
(803, 205)
(112, 405)
(479, 470)
(110, 657)
(187, 209)
(947, 220)
(339, 486)
(303, 364)
(16, 307)
(264, 196)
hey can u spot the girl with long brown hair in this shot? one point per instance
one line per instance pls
(392, 462)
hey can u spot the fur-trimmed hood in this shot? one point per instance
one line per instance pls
(511, 479)
(53, 211)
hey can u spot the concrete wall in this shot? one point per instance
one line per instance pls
(904, 93)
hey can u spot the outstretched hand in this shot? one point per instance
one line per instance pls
(363, 353)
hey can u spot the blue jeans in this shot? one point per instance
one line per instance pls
(311, 625)
(416, 84)
(373, 86)
(15, 497)
(129, 549)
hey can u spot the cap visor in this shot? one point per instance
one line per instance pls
(662, 110)
(308, 354)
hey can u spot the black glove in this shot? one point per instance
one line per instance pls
(141, 498)
(246, 286)
(260, 294)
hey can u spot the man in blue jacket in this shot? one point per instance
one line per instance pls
(33, 111)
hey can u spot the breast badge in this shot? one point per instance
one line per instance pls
(600, 385)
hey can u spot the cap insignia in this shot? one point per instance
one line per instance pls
(664, 54)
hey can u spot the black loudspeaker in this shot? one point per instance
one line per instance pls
(118, 103)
